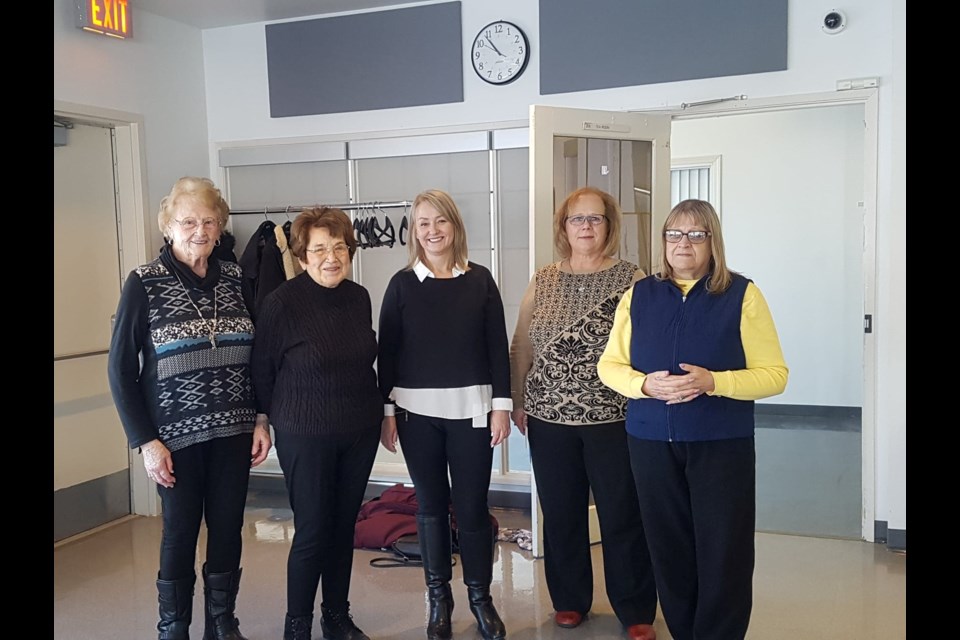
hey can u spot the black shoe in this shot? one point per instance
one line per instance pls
(175, 598)
(220, 601)
(439, 626)
(338, 625)
(298, 628)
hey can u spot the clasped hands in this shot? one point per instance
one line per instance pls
(674, 388)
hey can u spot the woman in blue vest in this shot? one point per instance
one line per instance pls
(693, 347)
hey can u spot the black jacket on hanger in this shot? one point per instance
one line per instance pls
(262, 265)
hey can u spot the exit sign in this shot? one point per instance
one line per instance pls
(106, 17)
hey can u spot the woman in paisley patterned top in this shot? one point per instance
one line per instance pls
(575, 424)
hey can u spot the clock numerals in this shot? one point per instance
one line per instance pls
(500, 53)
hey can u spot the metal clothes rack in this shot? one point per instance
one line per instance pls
(351, 206)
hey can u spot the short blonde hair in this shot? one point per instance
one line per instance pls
(445, 206)
(202, 190)
(611, 210)
(703, 214)
(335, 221)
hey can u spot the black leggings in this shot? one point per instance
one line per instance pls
(326, 479)
(211, 486)
(431, 446)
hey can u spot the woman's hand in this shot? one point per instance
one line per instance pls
(261, 440)
(388, 433)
(520, 419)
(159, 463)
(499, 426)
(674, 389)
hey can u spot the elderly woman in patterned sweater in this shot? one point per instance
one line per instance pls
(179, 371)
(575, 425)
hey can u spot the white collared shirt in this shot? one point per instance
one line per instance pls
(423, 271)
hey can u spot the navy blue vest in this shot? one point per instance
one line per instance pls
(703, 330)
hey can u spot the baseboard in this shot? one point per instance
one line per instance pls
(90, 504)
(271, 491)
(895, 539)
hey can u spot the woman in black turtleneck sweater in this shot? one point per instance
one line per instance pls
(313, 376)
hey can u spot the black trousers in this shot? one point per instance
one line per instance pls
(698, 501)
(431, 447)
(212, 479)
(326, 478)
(569, 462)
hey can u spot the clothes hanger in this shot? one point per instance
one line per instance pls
(387, 235)
(403, 228)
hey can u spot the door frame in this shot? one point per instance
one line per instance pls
(869, 100)
(133, 224)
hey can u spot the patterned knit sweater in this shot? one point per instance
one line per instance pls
(555, 353)
(185, 391)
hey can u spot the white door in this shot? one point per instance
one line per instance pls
(625, 154)
(91, 465)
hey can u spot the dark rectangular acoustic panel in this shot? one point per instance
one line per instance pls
(620, 43)
(380, 60)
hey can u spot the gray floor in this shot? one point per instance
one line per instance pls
(805, 587)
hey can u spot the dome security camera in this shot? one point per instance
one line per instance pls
(834, 21)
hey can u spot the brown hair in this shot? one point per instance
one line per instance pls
(703, 214)
(445, 206)
(200, 189)
(335, 221)
(611, 210)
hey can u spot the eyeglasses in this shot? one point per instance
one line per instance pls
(695, 237)
(191, 224)
(593, 220)
(338, 250)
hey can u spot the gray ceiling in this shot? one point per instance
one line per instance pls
(209, 14)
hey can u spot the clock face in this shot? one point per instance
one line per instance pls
(500, 52)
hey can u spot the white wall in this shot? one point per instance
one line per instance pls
(238, 104)
(892, 294)
(157, 74)
(792, 181)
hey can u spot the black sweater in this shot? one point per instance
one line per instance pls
(313, 359)
(443, 333)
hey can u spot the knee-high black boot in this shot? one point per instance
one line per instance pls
(476, 553)
(176, 608)
(435, 550)
(220, 598)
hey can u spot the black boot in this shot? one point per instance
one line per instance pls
(435, 550)
(338, 625)
(476, 553)
(220, 596)
(298, 628)
(176, 608)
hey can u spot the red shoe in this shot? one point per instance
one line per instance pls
(568, 619)
(641, 632)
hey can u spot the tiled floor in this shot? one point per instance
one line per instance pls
(804, 588)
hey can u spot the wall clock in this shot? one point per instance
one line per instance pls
(500, 52)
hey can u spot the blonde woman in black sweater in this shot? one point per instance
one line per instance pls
(313, 375)
(444, 361)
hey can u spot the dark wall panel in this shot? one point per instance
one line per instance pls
(380, 60)
(619, 43)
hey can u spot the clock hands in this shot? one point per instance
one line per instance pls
(494, 47)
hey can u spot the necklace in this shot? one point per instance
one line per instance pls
(581, 287)
(210, 327)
